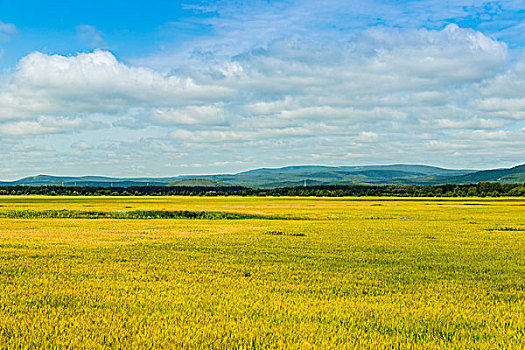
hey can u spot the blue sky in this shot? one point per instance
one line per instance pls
(159, 88)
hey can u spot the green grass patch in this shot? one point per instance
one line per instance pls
(281, 233)
(132, 214)
(506, 228)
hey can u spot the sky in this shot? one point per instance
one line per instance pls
(163, 88)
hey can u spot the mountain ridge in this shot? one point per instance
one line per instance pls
(395, 174)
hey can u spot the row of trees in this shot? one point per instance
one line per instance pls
(483, 189)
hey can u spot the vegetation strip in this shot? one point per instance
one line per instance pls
(133, 214)
(482, 189)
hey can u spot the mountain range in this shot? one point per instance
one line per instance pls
(291, 176)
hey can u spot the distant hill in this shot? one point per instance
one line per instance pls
(291, 184)
(93, 181)
(324, 175)
(197, 183)
(396, 174)
(511, 175)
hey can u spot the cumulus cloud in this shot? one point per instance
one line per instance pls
(92, 83)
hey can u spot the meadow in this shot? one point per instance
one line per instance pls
(286, 273)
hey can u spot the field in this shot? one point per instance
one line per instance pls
(304, 273)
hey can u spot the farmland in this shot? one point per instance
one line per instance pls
(288, 273)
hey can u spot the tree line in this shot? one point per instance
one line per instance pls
(482, 189)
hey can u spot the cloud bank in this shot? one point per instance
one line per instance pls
(452, 97)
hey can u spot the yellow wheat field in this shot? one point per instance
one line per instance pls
(364, 273)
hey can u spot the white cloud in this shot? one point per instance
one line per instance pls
(190, 115)
(39, 148)
(493, 135)
(503, 95)
(474, 123)
(367, 136)
(81, 145)
(44, 125)
(92, 83)
(220, 136)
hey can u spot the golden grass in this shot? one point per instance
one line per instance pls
(368, 273)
